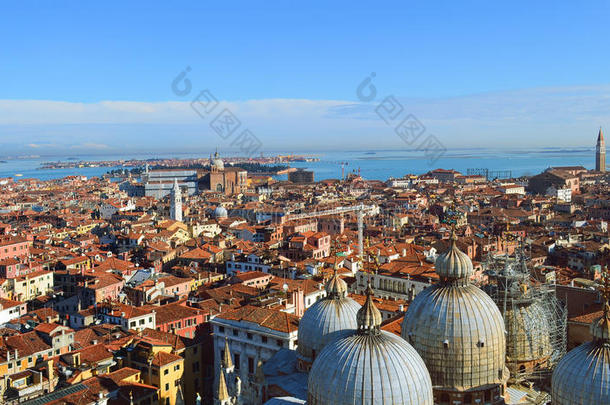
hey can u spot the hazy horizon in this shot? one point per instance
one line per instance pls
(82, 78)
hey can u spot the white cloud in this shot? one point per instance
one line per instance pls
(530, 117)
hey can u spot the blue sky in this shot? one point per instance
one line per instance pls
(97, 75)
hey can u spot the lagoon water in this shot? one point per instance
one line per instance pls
(379, 164)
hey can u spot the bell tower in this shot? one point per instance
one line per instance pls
(600, 153)
(176, 203)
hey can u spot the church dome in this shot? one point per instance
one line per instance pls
(583, 375)
(326, 320)
(220, 212)
(457, 329)
(369, 366)
(528, 337)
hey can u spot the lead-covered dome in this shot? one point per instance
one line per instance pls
(220, 212)
(326, 320)
(583, 375)
(369, 367)
(458, 330)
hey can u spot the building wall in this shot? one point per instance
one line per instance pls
(248, 343)
(18, 249)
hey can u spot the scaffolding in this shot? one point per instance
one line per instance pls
(535, 320)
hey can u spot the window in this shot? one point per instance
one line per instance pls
(177, 383)
(264, 339)
(236, 360)
(167, 389)
(221, 329)
(166, 371)
(235, 332)
(177, 367)
(250, 365)
(279, 343)
(141, 321)
(132, 324)
(249, 335)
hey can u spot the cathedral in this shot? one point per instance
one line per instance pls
(226, 180)
(452, 350)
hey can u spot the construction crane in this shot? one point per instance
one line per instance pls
(360, 210)
(342, 164)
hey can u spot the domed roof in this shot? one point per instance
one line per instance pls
(326, 320)
(369, 367)
(220, 212)
(454, 263)
(457, 329)
(528, 334)
(216, 162)
(583, 375)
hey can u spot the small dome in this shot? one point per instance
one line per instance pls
(453, 264)
(369, 317)
(369, 367)
(220, 212)
(336, 286)
(216, 162)
(326, 320)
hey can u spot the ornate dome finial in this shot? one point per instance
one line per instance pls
(369, 318)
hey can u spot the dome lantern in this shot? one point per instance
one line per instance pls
(368, 317)
(336, 288)
(454, 265)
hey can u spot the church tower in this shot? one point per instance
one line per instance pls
(600, 153)
(176, 203)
